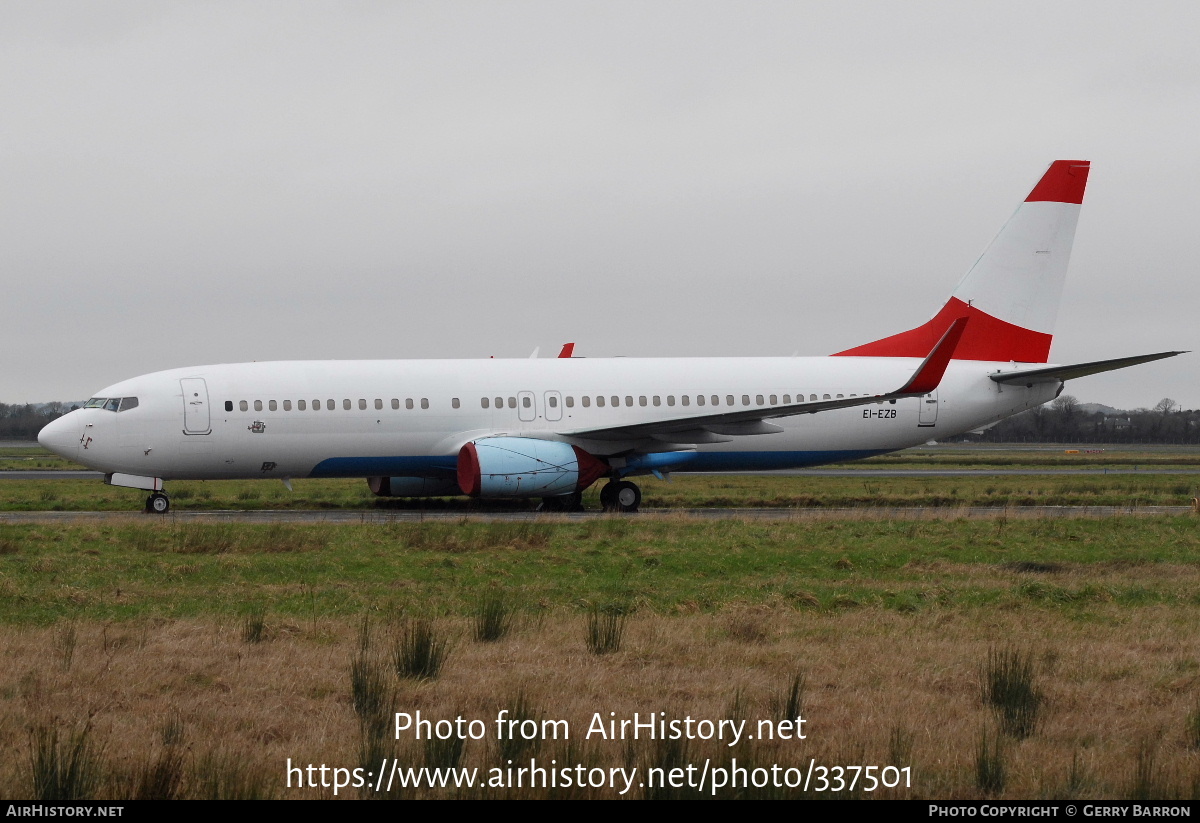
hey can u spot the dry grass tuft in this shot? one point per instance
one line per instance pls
(254, 625)
(493, 620)
(790, 704)
(1008, 687)
(418, 651)
(64, 770)
(605, 630)
(991, 773)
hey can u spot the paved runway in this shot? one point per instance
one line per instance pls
(444, 516)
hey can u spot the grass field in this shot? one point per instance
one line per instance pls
(181, 659)
(682, 492)
(697, 491)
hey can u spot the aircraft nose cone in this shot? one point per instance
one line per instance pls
(59, 437)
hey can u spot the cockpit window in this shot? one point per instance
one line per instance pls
(112, 404)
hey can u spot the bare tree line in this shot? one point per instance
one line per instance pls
(1065, 421)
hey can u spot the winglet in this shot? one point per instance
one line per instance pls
(929, 374)
(568, 350)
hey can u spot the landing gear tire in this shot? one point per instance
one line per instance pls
(158, 503)
(563, 503)
(621, 496)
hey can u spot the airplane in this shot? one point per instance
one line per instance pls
(550, 428)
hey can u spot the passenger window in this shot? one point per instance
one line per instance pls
(330, 405)
(287, 405)
(424, 402)
(454, 403)
(228, 405)
(615, 401)
(670, 400)
(587, 401)
(787, 398)
(300, 404)
(812, 397)
(600, 400)
(628, 400)
(684, 400)
(552, 402)
(272, 405)
(570, 402)
(395, 402)
(745, 400)
(657, 400)
(839, 397)
(484, 402)
(408, 402)
(362, 404)
(499, 402)
(774, 400)
(316, 405)
(378, 403)
(729, 400)
(716, 400)
(525, 402)
(258, 405)
(243, 405)
(512, 402)
(825, 397)
(758, 400)
(642, 400)
(346, 404)
(699, 400)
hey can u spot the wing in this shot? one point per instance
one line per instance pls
(722, 426)
(1052, 374)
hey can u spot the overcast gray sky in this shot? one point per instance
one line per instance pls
(188, 183)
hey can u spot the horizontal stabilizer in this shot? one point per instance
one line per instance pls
(1053, 374)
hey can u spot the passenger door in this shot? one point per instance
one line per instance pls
(195, 406)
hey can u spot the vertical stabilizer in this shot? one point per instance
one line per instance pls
(1011, 294)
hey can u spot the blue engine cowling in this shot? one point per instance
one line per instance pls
(524, 467)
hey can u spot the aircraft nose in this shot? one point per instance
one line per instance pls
(59, 437)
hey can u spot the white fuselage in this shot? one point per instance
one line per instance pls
(409, 418)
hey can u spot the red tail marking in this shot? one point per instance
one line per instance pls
(989, 338)
(1063, 182)
(568, 350)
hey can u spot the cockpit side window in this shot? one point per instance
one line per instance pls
(128, 403)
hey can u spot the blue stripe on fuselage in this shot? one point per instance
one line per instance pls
(386, 466)
(643, 464)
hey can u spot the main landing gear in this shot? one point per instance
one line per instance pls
(615, 496)
(158, 503)
(620, 496)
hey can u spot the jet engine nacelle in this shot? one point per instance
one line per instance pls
(524, 467)
(413, 486)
